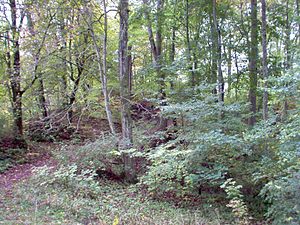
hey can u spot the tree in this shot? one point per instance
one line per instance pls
(264, 60)
(13, 62)
(217, 50)
(156, 50)
(125, 95)
(253, 55)
(102, 63)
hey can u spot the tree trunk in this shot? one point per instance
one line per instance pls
(15, 80)
(41, 90)
(102, 66)
(214, 63)
(288, 57)
(74, 92)
(229, 65)
(172, 55)
(188, 42)
(63, 50)
(253, 63)
(42, 98)
(126, 141)
(264, 59)
(218, 52)
(156, 49)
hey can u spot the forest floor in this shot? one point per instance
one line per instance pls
(23, 200)
(42, 189)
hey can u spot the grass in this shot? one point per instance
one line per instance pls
(70, 194)
(115, 203)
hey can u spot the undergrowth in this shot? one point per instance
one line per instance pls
(73, 193)
(66, 195)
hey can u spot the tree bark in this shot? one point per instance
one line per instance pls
(124, 73)
(41, 90)
(264, 59)
(218, 51)
(15, 78)
(172, 55)
(63, 51)
(288, 57)
(229, 65)
(156, 48)
(253, 63)
(102, 66)
(214, 63)
(188, 43)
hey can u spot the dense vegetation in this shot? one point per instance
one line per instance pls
(150, 112)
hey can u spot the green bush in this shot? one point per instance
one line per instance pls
(236, 203)
(101, 155)
(69, 179)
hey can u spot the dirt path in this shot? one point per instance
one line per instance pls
(20, 172)
(23, 171)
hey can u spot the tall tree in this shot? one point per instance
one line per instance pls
(288, 56)
(156, 50)
(188, 43)
(218, 51)
(125, 86)
(102, 63)
(14, 69)
(253, 55)
(37, 56)
(264, 59)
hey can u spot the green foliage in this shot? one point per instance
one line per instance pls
(11, 156)
(236, 203)
(65, 195)
(204, 151)
(283, 196)
(5, 164)
(281, 173)
(5, 122)
(68, 179)
(101, 155)
(168, 171)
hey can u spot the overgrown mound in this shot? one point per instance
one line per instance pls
(58, 127)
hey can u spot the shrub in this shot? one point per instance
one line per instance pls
(236, 203)
(101, 155)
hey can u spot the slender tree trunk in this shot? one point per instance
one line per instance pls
(126, 141)
(41, 90)
(214, 62)
(156, 49)
(42, 98)
(218, 51)
(72, 98)
(63, 51)
(288, 58)
(130, 71)
(253, 63)
(161, 74)
(298, 15)
(264, 59)
(15, 79)
(229, 65)
(172, 54)
(102, 68)
(237, 74)
(188, 42)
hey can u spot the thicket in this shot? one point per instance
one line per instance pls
(199, 98)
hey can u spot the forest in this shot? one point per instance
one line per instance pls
(149, 112)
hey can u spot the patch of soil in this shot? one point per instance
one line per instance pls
(144, 110)
(37, 156)
(90, 128)
(8, 143)
(84, 127)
